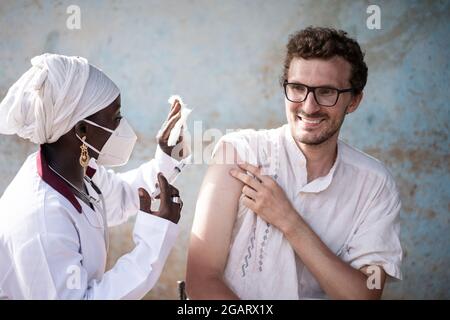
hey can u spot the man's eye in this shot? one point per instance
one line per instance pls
(298, 88)
(326, 91)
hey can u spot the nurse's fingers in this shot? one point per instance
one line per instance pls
(168, 126)
(163, 187)
(171, 204)
(176, 106)
(145, 200)
(167, 190)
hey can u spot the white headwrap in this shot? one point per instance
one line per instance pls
(52, 96)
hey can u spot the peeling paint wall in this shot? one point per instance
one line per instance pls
(224, 58)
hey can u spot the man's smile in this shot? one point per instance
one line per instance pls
(310, 122)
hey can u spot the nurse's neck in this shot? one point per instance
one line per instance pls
(63, 156)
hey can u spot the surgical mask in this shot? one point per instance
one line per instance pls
(117, 149)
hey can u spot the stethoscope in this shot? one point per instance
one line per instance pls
(101, 209)
(95, 202)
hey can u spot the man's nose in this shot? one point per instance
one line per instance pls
(310, 106)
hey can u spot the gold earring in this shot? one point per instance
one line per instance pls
(84, 157)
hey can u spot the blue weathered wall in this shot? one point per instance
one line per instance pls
(224, 58)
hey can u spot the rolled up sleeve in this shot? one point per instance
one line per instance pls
(377, 240)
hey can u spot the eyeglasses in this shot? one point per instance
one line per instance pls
(324, 96)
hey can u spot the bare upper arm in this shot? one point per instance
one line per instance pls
(376, 277)
(215, 215)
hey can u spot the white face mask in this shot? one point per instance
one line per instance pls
(117, 149)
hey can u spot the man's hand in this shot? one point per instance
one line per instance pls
(176, 151)
(168, 209)
(265, 197)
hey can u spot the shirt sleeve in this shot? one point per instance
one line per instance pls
(50, 265)
(120, 190)
(376, 240)
(244, 144)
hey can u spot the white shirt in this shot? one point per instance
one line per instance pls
(354, 209)
(52, 244)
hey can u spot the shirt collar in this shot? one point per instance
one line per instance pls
(298, 162)
(296, 159)
(91, 168)
(53, 180)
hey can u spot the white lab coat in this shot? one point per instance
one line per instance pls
(52, 244)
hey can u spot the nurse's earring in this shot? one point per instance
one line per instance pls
(84, 157)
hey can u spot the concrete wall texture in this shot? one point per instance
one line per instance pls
(224, 58)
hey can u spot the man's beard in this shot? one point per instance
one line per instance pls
(323, 136)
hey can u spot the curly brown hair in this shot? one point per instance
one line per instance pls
(325, 43)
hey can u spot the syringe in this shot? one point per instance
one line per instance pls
(171, 179)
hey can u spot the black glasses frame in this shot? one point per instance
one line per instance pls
(313, 90)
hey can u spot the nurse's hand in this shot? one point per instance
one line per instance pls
(175, 151)
(168, 209)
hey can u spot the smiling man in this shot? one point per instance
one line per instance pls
(294, 212)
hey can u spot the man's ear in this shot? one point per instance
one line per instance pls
(354, 104)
